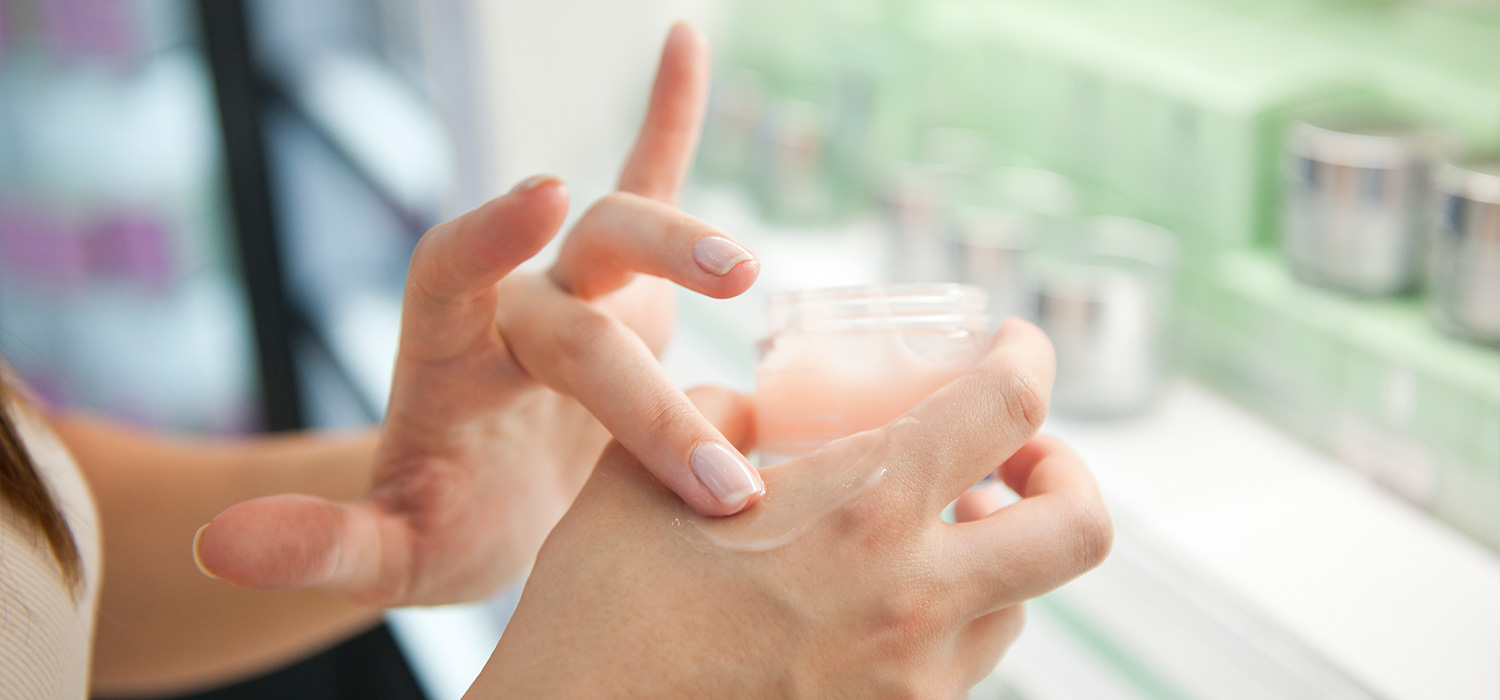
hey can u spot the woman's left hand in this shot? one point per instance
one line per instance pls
(491, 429)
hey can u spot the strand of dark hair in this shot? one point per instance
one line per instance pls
(25, 491)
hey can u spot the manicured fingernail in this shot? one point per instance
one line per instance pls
(534, 182)
(726, 475)
(197, 557)
(717, 256)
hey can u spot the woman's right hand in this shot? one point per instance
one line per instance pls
(879, 598)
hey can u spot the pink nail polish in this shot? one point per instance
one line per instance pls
(717, 256)
(534, 182)
(726, 475)
(197, 557)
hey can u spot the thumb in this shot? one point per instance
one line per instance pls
(296, 541)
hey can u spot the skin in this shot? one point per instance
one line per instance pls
(491, 428)
(162, 625)
(880, 599)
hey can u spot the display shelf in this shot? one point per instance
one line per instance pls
(1368, 380)
(1380, 592)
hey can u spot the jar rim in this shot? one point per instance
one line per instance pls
(904, 291)
(920, 305)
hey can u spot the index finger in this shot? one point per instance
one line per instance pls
(663, 151)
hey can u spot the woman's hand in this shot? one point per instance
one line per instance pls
(879, 598)
(488, 435)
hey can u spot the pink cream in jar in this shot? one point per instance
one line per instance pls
(843, 360)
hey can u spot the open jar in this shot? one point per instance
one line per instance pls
(843, 360)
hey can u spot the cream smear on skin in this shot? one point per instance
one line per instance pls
(799, 493)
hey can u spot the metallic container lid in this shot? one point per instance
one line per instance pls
(1476, 179)
(1360, 143)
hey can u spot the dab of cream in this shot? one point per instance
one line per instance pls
(799, 493)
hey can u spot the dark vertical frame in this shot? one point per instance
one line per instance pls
(368, 666)
(239, 94)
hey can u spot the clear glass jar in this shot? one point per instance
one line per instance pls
(843, 360)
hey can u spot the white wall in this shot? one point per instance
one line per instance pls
(566, 82)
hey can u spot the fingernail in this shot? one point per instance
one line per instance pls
(717, 256)
(726, 475)
(534, 182)
(198, 558)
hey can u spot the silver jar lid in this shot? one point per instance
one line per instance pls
(1475, 179)
(1385, 144)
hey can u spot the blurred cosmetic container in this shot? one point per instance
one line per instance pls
(916, 201)
(1103, 294)
(1356, 202)
(787, 163)
(1016, 209)
(1464, 250)
(736, 108)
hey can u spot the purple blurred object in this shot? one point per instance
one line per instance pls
(46, 390)
(37, 246)
(91, 27)
(132, 244)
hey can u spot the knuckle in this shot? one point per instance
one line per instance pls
(427, 269)
(918, 684)
(593, 221)
(665, 415)
(577, 336)
(919, 610)
(1019, 396)
(1025, 401)
(868, 520)
(613, 200)
(1092, 533)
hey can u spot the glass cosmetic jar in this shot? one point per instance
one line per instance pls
(843, 360)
